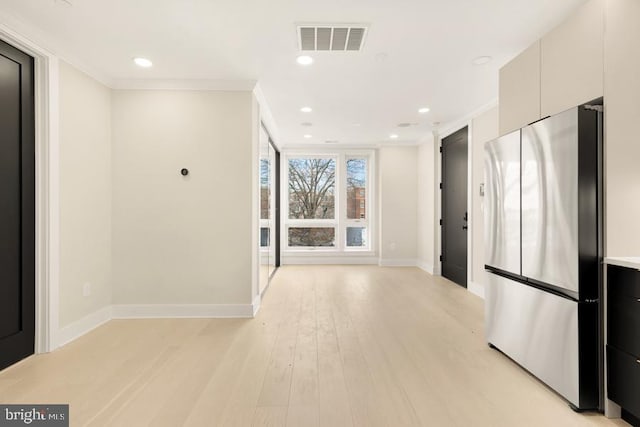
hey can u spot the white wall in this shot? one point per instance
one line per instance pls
(183, 240)
(85, 194)
(426, 212)
(484, 127)
(622, 110)
(256, 128)
(398, 174)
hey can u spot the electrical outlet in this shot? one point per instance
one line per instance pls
(86, 289)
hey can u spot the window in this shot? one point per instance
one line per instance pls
(356, 221)
(265, 202)
(327, 203)
(312, 188)
(312, 236)
(265, 238)
(312, 199)
(265, 170)
(356, 237)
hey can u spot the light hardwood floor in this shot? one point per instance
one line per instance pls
(331, 346)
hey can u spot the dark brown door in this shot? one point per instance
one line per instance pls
(17, 206)
(454, 207)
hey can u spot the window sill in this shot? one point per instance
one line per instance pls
(329, 257)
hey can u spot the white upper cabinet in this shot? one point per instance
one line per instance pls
(571, 61)
(560, 71)
(519, 91)
(621, 94)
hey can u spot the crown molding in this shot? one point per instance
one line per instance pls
(184, 84)
(12, 24)
(451, 126)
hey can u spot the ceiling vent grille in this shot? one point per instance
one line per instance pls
(337, 38)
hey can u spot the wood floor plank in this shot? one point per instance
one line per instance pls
(270, 416)
(216, 395)
(246, 389)
(331, 346)
(304, 381)
(276, 387)
(333, 403)
(303, 416)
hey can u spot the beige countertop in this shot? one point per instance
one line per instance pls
(629, 262)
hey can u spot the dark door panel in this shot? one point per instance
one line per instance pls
(17, 201)
(454, 207)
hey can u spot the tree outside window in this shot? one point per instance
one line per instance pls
(312, 196)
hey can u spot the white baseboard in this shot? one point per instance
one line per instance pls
(147, 311)
(80, 327)
(256, 304)
(425, 266)
(476, 289)
(389, 262)
(329, 260)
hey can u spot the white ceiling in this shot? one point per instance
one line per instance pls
(417, 53)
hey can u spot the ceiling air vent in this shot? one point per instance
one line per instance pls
(338, 38)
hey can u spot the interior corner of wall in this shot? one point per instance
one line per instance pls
(437, 270)
(425, 266)
(257, 301)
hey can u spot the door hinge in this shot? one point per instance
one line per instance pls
(441, 148)
(441, 222)
(441, 186)
(440, 258)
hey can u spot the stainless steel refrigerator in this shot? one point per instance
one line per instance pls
(543, 244)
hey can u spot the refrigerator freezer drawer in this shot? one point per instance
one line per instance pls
(502, 203)
(538, 330)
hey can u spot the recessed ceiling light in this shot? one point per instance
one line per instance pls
(331, 141)
(481, 60)
(306, 109)
(393, 136)
(423, 110)
(143, 62)
(306, 124)
(304, 60)
(307, 136)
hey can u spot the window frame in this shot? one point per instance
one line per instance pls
(340, 221)
(356, 222)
